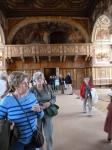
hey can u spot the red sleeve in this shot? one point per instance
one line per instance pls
(91, 85)
(81, 90)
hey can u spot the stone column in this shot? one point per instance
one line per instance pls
(110, 29)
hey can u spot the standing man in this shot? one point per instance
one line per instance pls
(85, 93)
(51, 83)
(4, 86)
(68, 82)
(61, 81)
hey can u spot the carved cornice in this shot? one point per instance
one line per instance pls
(15, 8)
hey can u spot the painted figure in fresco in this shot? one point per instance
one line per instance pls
(103, 34)
(30, 38)
(44, 37)
(75, 36)
(71, 36)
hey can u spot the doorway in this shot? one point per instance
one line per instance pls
(49, 72)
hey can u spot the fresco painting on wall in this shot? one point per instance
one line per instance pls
(39, 33)
(102, 6)
(102, 35)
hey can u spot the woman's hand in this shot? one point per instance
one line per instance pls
(36, 108)
(46, 105)
(12, 125)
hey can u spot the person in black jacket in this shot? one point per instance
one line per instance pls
(51, 83)
(61, 81)
(68, 82)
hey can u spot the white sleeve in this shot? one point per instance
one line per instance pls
(2, 87)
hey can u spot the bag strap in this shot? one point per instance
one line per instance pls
(24, 112)
(37, 91)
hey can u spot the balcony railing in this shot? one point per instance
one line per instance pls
(47, 50)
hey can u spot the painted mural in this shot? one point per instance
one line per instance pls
(102, 35)
(40, 33)
(103, 5)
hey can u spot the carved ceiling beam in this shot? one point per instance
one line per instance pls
(23, 59)
(37, 59)
(28, 2)
(11, 3)
(61, 58)
(64, 58)
(75, 57)
(49, 58)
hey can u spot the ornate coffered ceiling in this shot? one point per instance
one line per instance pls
(23, 8)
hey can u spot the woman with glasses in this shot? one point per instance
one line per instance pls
(10, 109)
(46, 97)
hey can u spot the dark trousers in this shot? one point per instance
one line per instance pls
(62, 88)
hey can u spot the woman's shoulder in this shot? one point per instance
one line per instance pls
(7, 99)
(30, 93)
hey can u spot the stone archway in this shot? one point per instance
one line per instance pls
(102, 21)
(47, 19)
(2, 36)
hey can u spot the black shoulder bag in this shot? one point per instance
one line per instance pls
(52, 110)
(38, 138)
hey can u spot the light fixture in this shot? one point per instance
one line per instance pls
(101, 55)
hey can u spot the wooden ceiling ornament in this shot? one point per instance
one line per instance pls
(20, 8)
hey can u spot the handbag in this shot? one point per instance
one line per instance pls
(12, 135)
(38, 138)
(52, 110)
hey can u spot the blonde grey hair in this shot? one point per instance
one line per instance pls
(16, 77)
(3, 74)
(86, 78)
(38, 74)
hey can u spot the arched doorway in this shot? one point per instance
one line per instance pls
(49, 72)
(58, 37)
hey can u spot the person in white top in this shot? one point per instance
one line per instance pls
(4, 87)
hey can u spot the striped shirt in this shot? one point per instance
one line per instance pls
(10, 108)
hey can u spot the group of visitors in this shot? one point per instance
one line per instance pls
(34, 102)
(54, 83)
(57, 83)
